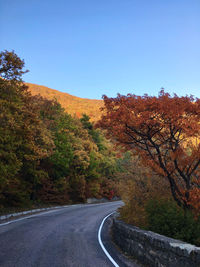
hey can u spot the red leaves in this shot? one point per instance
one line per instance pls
(162, 130)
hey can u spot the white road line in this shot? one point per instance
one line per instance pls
(27, 217)
(101, 244)
(49, 211)
(41, 213)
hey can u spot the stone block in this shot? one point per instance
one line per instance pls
(153, 249)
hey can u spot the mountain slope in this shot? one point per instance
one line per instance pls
(72, 104)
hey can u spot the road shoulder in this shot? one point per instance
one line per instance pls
(113, 250)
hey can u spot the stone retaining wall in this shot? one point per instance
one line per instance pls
(101, 200)
(93, 200)
(152, 249)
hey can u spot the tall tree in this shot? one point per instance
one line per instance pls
(23, 139)
(11, 66)
(165, 132)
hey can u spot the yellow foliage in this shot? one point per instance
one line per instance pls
(139, 186)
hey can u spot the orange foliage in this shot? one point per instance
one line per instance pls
(161, 130)
(72, 104)
(137, 186)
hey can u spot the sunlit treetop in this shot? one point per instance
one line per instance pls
(11, 66)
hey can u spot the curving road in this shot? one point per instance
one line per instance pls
(66, 237)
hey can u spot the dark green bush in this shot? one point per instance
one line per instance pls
(166, 218)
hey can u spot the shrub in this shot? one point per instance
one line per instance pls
(166, 218)
(138, 185)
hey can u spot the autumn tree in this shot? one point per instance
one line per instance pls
(94, 133)
(11, 66)
(46, 155)
(164, 131)
(24, 140)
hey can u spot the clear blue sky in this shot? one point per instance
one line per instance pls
(93, 47)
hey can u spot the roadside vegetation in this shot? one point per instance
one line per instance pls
(161, 189)
(47, 156)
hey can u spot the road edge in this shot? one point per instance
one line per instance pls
(101, 243)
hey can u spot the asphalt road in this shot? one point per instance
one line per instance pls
(63, 237)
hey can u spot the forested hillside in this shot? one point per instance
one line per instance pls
(47, 155)
(72, 104)
(51, 153)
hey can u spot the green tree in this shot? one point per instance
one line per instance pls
(23, 139)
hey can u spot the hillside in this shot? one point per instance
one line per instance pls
(72, 104)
